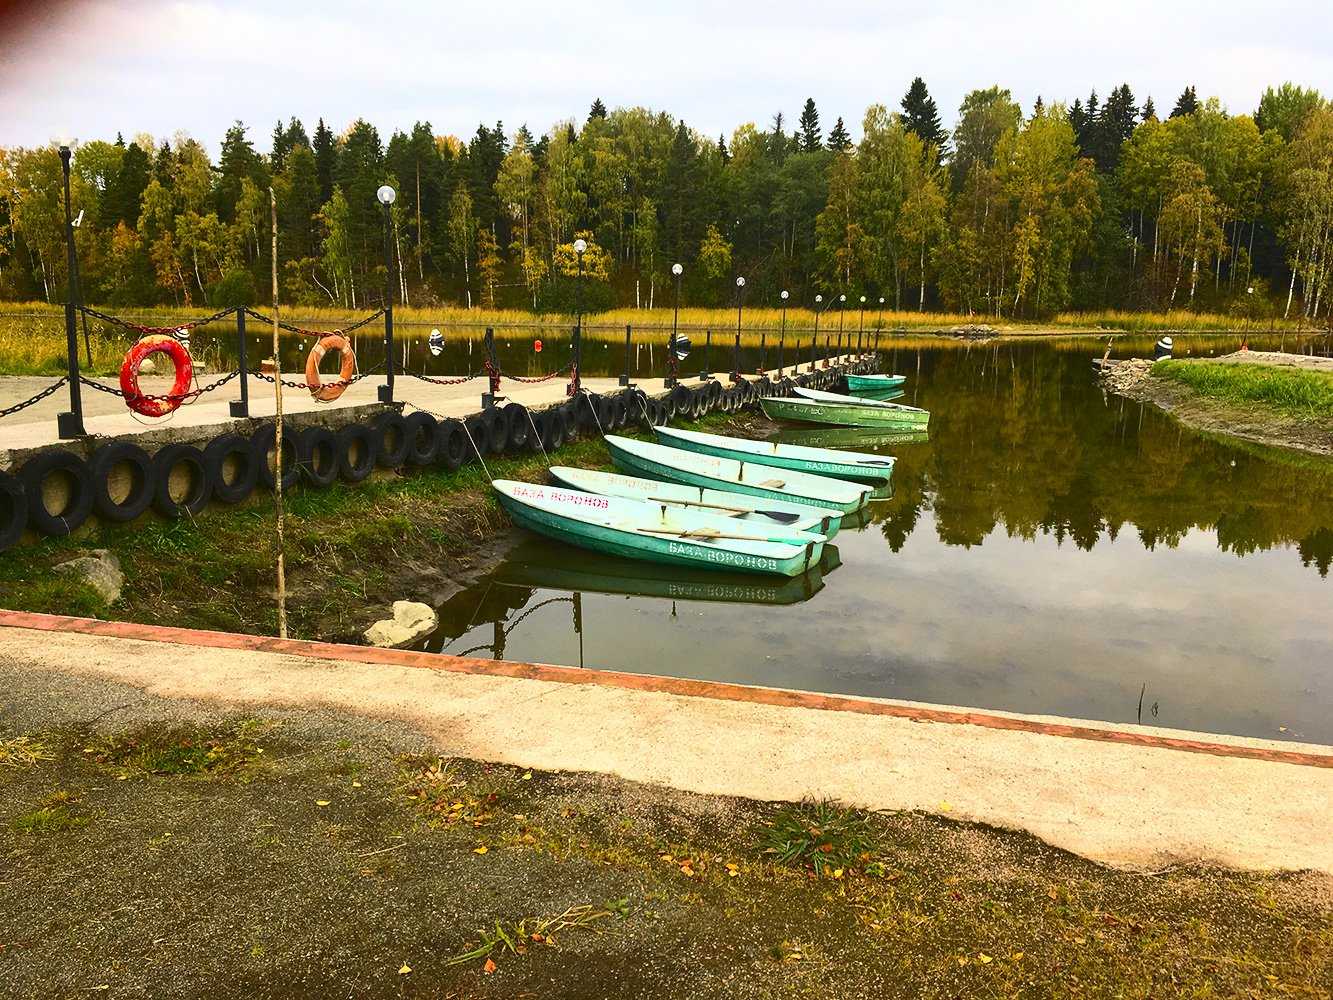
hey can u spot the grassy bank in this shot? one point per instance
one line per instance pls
(350, 551)
(1290, 391)
(175, 854)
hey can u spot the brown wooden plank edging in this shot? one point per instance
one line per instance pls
(777, 697)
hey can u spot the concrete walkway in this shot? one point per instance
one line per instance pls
(1128, 796)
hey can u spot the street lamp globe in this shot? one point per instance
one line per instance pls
(881, 300)
(677, 269)
(784, 295)
(842, 297)
(580, 246)
(863, 298)
(819, 299)
(740, 282)
(386, 195)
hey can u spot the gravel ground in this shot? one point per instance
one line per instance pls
(189, 853)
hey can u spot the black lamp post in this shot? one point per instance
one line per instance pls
(575, 382)
(673, 364)
(70, 425)
(815, 339)
(782, 336)
(842, 305)
(386, 196)
(861, 325)
(736, 350)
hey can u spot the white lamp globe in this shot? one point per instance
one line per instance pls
(784, 295)
(819, 298)
(580, 246)
(740, 282)
(677, 269)
(386, 195)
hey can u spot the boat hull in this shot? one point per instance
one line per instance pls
(876, 386)
(661, 549)
(841, 414)
(637, 464)
(823, 465)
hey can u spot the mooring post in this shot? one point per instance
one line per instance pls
(241, 407)
(672, 363)
(492, 371)
(70, 425)
(708, 344)
(624, 379)
(386, 197)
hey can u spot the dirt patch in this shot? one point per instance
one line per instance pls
(334, 863)
(1253, 422)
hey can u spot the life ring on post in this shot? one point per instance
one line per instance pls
(331, 342)
(129, 375)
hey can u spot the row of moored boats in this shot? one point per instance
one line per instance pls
(709, 500)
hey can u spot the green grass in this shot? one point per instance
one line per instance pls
(1294, 392)
(53, 816)
(22, 752)
(179, 750)
(823, 837)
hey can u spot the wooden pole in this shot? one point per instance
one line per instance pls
(277, 434)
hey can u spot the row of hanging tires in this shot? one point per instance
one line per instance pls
(56, 491)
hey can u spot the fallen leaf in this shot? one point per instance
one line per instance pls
(984, 959)
(489, 967)
(322, 802)
(356, 784)
(405, 969)
(480, 850)
(1018, 956)
(945, 807)
(837, 873)
(527, 775)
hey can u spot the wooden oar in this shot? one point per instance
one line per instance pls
(781, 516)
(708, 534)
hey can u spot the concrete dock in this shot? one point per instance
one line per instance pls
(1131, 796)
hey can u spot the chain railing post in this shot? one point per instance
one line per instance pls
(70, 425)
(575, 382)
(241, 407)
(624, 379)
(492, 370)
(672, 362)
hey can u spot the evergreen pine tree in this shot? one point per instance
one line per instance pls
(1078, 118)
(124, 190)
(279, 151)
(1113, 127)
(921, 116)
(808, 128)
(598, 109)
(1038, 108)
(722, 149)
(524, 135)
(1186, 104)
(838, 139)
(1149, 112)
(326, 160)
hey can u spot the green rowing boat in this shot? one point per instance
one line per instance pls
(638, 529)
(856, 466)
(656, 461)
(875, 386)
(740, 507)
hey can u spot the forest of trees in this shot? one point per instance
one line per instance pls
(1101, 204)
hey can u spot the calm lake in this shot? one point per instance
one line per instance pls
(1047, 550)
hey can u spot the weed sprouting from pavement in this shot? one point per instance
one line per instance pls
(825, 837)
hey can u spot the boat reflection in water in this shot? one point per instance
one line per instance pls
(535, 568)
(859, 438)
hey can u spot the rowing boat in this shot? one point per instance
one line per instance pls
(656, 461)
(842, 411)
(875, 386)
(638, 529)
(856, 466)
(740, 507)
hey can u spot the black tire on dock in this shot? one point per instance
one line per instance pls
(181, 484)
(261, 447)
(391, 440)
(680, 397)
(518, 430)
(497, 430)
(56, 469)
(537, 429)
(122, 478)
(606, 414)
(318, 456)
(423, 440)
(478, 437)
(557, 428)
(356, 452)
(698, 403)
(232, 468)
(13, 511)
(454, 449)
(619, 411)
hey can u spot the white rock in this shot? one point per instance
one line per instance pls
(148, 366)
(101, 571)
(411, 621)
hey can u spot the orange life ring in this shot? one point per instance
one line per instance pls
(129, 375)
(331, 342)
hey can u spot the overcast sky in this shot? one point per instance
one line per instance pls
(89, 69)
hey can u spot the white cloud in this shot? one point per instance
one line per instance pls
(98, 67)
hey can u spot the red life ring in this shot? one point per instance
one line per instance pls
(331, 342)
(129, 375)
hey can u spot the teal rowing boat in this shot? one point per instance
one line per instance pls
(638, 529)
(656, 461)
(856, 413)
(741, 507)
(875, 386)
(856, 466)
